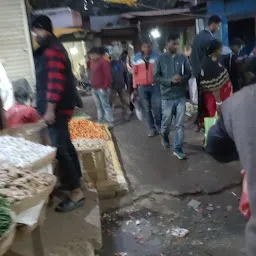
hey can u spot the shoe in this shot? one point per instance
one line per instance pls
(68, 205)
(188, 114)
(152, 133)
(202, 130)
(197, 128)
(180, 155)
(165, 141)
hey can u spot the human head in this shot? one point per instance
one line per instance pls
(214, 48)
(173, 43)
(249, 72)
(214, 23)
(96, 53)
(22, 91)
(146, 46)
(236, 45)
(42, 28)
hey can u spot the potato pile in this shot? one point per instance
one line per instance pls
(16, 185)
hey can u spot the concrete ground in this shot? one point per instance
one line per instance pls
(161, 188)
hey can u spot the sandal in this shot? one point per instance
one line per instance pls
(68, 205)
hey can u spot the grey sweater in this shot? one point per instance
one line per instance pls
(236, 131)
(166, 67)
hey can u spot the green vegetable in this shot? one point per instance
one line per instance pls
(4, 203)
(5, 216)
(5, 220)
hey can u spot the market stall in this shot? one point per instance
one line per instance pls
(99, 161)
(26, 181)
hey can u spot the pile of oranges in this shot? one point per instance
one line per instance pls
(85, 129)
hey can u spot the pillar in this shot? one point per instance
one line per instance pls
(218, 7)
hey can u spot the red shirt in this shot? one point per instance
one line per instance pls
(101, 74)
(21, 114)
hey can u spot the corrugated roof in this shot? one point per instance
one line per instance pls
(130, 15)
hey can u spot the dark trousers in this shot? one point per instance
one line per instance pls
(130, 90)
(124, 99)
(66, 152)
(200, 103)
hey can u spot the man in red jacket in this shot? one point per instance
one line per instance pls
(100, 77)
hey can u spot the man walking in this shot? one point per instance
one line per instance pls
(100, 76)
(199, 46)
(172, 71)
(56, 99)
(143, 83)
(118, 84)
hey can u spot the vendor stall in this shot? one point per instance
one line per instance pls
(99, 161)
(25, 185)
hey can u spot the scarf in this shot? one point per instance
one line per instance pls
(213, 75)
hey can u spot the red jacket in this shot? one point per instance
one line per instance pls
(21, 114)
(142, 73)
(100, 75)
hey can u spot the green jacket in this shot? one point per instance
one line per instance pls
(166, 67)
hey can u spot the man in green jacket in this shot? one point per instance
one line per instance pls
(172, 71)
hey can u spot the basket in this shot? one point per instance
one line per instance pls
(7, 239)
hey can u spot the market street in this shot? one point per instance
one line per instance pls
(161, 188)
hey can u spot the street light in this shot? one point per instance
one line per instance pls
(155, 33)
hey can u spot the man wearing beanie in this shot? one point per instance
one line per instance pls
(56, 99)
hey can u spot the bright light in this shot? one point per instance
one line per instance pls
(155, 33)
(73, 51)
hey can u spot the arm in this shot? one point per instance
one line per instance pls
(187, 72)
(106, 68)
(220, 145)
(158, 76)
(55, 68)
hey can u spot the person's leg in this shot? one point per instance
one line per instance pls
(156, 106)
(108, 112)
(200, 106)
(167, 111)
(210, 104)
(112, 95)
(60, 138)
(125, 103)
(130, 91)
(100, 110)
(145, 96)
(179, 128)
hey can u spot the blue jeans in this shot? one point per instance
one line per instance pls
(151, 101)
(104, 110)
(174, 108)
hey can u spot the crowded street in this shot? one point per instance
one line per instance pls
(127, 128)
(161, 189)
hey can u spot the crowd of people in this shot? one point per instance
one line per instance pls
(160, 81)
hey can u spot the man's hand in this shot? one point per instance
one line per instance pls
(49, 117)
(134, 94)
(176, 79)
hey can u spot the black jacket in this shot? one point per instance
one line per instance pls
(54, 78)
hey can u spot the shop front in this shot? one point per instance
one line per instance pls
(238, 18)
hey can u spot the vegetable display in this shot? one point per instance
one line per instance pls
(21, 153)
(85, 129)
(5, 216)
(16, 185)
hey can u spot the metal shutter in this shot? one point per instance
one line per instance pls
(15, 45)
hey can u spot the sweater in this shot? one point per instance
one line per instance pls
(199, 46)
(100, 74)
(166, 67)
(235, 135)
(119, 75)
(54, 78)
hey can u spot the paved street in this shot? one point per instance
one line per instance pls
(161, 187)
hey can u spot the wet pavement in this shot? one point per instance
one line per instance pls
(161, 188)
